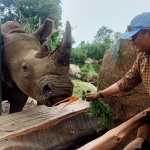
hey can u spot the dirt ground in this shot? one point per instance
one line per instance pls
(5, 106)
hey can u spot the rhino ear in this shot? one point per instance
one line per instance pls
(3, 35)
(44, 30)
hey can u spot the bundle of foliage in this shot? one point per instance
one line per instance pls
(102, 111)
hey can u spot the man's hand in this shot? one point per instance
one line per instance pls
(91, 96)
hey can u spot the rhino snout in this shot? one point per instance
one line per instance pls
(47, 91)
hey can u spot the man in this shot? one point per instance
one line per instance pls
(139, 33)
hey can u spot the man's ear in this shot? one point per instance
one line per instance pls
(149, 32)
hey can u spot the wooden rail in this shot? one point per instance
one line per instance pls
(116, 135)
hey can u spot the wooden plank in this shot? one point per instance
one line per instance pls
(44, 127)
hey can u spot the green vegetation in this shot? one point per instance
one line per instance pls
(101, 110)
(105, 38)
(88, 68)
(32, 13)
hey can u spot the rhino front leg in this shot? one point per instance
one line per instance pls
(16, 98)
(17, 101)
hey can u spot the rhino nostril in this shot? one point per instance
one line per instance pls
(47, 91)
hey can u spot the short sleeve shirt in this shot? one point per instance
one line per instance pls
(140, 72)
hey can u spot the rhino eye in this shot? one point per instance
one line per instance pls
(24, 68)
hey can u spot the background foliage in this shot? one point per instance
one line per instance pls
(104, 39)
(88, 68)
(31, 13)
(31, 10)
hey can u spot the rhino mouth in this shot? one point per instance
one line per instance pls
(54, 93)
(53, 100)
(54, 89)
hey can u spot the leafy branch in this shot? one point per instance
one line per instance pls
(102, 111)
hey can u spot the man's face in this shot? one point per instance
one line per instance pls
(141, 41)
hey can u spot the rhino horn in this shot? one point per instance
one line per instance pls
(61, 55)
(66, 42)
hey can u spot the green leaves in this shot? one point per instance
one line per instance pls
(79, 54)
(102, 33)
(29, 13)
(88, 68)
(102, 111)
(31, 10)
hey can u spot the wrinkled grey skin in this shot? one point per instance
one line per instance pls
(32, 69)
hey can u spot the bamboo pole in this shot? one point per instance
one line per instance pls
(142, 135)
(135, 144)
(116, 135)
(0, 71)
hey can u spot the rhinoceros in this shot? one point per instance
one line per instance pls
(33, 69)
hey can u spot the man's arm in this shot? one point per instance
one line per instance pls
(129, 81)
(113, 89)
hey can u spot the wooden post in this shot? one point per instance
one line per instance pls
(40, 21)
(0, 71)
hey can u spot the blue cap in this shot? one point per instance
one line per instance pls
(138, 23)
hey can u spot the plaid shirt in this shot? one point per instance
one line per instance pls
(140, 72)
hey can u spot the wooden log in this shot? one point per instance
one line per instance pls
(135, 144)
(142, 136)
(46, 128)
(116, 135)
(144, 130)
